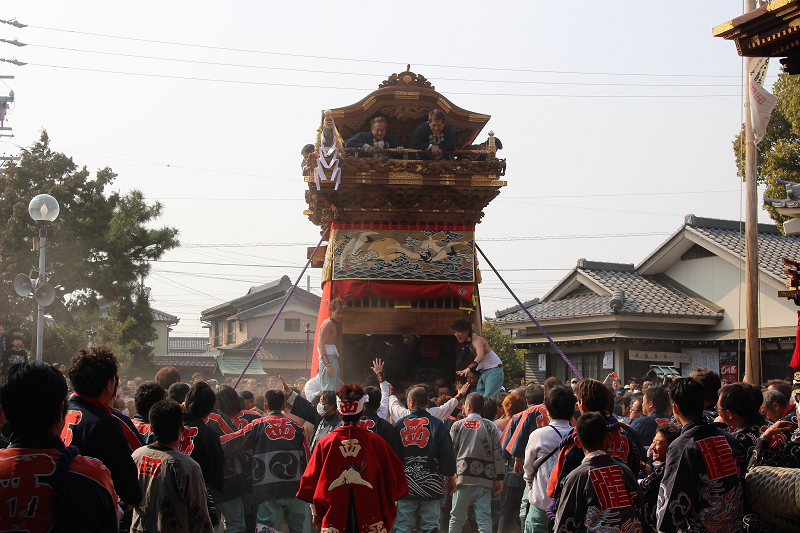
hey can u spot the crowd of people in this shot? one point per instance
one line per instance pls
(202, 456)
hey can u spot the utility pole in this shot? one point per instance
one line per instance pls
(752, 360)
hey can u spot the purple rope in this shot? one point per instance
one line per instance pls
(566, 359)
(285, 300)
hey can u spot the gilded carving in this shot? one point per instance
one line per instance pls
(443, 104)
(477, 117)
(404, 178)
(406, 95)
(368, 103)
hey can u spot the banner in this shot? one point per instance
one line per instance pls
(761, 102)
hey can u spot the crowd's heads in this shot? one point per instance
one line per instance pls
(688, 396)
(34, 398)
(228, 401)
(90, 370)
(711, 383)
(513, 404)
(419, 396)
(551, 382)
(659, 397)
(147, 395)
(593, 395)
(473, 376)
(166, 421)
(665, 434)
(197, 376)
(167, 376)
(462, 324)
(350, 402)
(249, 399)
(475, 402)
(275, 400)
(775, 404)
(560, 403)
(737, 399)
(591, 431)
(784, 387)
(177, 392)
(534, 394)
(327, 399)
(374, 402)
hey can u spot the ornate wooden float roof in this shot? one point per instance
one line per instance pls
(772, 30)
(407, 189)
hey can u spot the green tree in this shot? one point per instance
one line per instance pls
(513, 359)
(101, 244)
(779, 151)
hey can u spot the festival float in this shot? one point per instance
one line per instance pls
(400, 230)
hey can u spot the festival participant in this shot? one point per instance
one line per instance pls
(330, 331)
(15, 353)
(249, 401)
(376, 138)
(785, 388)
(486, 361)
(323, 416)
(398, 411)
(601, 494)
(175, 496)
(776, 407)
(147, 395)
(540, 455)
(711, 383)
(92, 427)
(435, 135)
(353, 479)
(704, 452)
(637, 411)
(54, 488)
(280, 445)
(665, 434)
(479, 466)
(230, 403)
(167, 376)
(623, 443)
(199, 441)
(430, 464)
(177, 392)
(738, 407)
(514, 484)
(533, 418)
(655, 404)
(372, 421)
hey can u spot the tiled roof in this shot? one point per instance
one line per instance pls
(161, 316)
(187, 345)
(772, 245)
(178, 361)
(273, 349)
(232, 365)
(639, 295)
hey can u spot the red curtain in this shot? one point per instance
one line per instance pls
(352, 290)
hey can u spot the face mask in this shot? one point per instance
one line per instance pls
(125, 411)
(321, 409)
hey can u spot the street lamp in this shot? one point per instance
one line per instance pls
(43, 209)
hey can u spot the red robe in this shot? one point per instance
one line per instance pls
(352, 458)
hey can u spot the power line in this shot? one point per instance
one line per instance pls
(375, 61)
(289, 266)
(341, 73)
(299, 85)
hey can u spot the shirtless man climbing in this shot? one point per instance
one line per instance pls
(329, 356)
(486, 362)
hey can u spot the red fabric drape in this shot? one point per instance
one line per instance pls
(796, 355)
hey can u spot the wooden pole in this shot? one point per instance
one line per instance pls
(752, 364)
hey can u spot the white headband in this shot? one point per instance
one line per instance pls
(351, 408)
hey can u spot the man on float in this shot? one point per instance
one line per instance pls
(486, 361)
(376, 138)
(329, 357)
(435, 135)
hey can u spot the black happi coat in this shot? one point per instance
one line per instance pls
(702, 488)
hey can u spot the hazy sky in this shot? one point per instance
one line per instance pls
(615, 118)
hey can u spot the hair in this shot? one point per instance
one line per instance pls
(351, 393)
(147, 395)
(513, 404)
(592, 431)
(307, 149)
(374, 401)
(16, 337)
(689, 395)
(437, 114)
(659, 396)
(177, 392)
(560, 402)
(418, 395)
(669, 431)
(462, 324)
(166, 419)
(551, 382)
(594, 395)
(710, 381)
(784, 387)
(167, 376)
(476, 402)
(275, 399)
(31, 397)
(377, 119)
(200, 399)
(534, 394)
(773, 396)
(197, 375)
(228, 401)
(90, 370)
(329, 396)
(336, 303)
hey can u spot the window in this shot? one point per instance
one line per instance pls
(291, 324)
(241, 327)
(231, 332)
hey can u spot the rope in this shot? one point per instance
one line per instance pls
(285, 301)
(564, 357)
